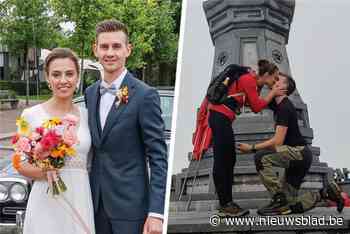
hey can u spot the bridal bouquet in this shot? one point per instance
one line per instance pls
(47, 146)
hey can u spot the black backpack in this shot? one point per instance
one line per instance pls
(217, 90)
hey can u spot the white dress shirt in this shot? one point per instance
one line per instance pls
(106, 103)
(107, 99)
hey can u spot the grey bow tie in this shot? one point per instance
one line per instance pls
(112, 89)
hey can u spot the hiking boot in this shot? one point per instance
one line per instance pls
(298, 208)
(333, 192)
(232, 209)
(277, 206)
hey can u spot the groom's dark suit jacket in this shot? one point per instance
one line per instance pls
(132, 137)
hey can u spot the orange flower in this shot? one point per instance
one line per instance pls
(16, 161)
(57, 153)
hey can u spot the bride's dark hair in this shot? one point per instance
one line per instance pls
(59, 53)
(266, 66)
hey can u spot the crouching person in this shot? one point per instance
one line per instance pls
(288, 149)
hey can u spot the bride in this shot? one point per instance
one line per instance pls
(71, 211)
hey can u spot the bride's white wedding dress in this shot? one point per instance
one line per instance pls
(71, 212)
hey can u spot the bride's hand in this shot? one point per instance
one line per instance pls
(40, 174)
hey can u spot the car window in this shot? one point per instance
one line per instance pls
(167, 110)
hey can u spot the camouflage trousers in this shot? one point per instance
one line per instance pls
(296, 161)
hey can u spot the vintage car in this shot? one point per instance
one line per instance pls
(15, 188)
(14, 192)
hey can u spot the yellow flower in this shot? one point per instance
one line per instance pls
(43, 164)
(23, 126)
(67, 150)
(125, 91)
(70, 151)
(123, 95)
(53, 122)
(46, 124)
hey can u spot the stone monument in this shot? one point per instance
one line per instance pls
(242, 32)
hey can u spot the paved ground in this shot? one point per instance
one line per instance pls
(8, 117)
(7, 128)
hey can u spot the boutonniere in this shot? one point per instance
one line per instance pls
(123, 95)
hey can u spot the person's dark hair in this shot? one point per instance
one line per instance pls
(60, 53)
(266, 66)
(291, 86)
(112, 25)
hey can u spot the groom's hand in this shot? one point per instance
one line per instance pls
(153, 225)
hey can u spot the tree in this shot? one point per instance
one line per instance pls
(83, 14)
(152, 28)
(27, 24)
(166, 42)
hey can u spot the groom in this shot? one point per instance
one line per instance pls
(127, 135)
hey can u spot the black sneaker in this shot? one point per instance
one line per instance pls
(232, 210)
(333, 192)
(277, 206)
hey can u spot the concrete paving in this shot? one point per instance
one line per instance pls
(8, 117)
(8, 128)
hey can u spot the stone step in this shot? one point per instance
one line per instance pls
(242, 162)
(241, 187)
(212, 204)
(198, 222)
(236, 195)
(316, 168)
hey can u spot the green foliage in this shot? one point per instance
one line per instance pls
(153, 27)
(12, 94)
(20, 87)
(7, 94)
(90, 77)
(84, 16)
(26, 24)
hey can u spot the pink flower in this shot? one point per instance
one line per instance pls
(49, 140)
(15, 138)
(35, 136)
(70, 120)
(70, 136)
(40, 130)
(39, 152)
(23, 144)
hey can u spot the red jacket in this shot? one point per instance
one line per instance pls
(346, 200)
(247, 86)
